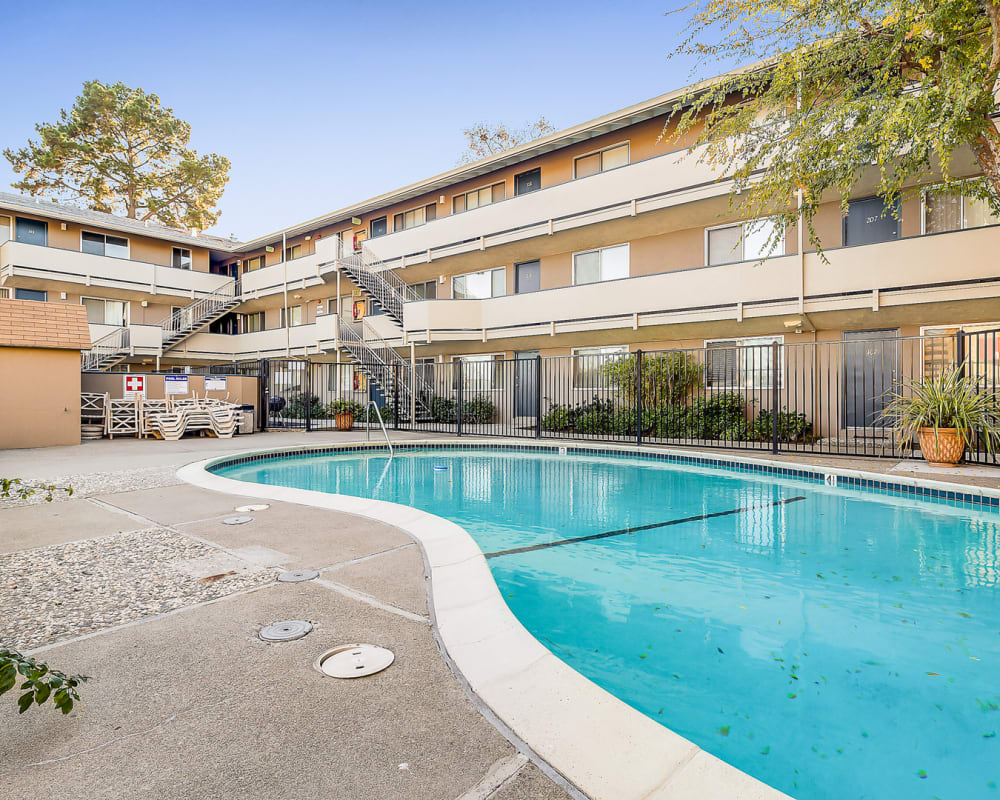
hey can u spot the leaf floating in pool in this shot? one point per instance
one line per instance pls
(791, 695)
(921, 774)
(820, 575)
(660, 711)
(723, 730)
(963, 614)
(766, 750)
(933, 674)
(642, 655)
(990, 735)
(721, 650)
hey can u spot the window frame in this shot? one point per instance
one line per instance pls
(491, 185)
(402, 216)
(961, 213)
(742, 242)
(260, 260)
(600, 252)
(290, 251)
(10, 227)
(106, 300)
(479, 272)
(32, 300)
(284, 314)
(174, 250)
(258, 314)
(601, 150)
(742, 342)
(496, 381)
(607, 349)
(128, 244)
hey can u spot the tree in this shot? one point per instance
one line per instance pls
(118, 150)
(485, 139)
(889, 91)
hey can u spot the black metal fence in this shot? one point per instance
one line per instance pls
(816, 397)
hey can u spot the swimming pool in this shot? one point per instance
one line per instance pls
(829, 641)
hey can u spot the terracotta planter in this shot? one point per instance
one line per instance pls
(344, 421)
(943, 447)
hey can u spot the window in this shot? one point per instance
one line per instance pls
(414, 217)
(100, 244)
(252, 323)
(295, 251)
(480, 285)
(954, 212)
(530, 181)
(31, 294)
(604, 264)
(106, 312)
(744, 241)
(478, 197)
(346, 372)
(251, 264)
(378, 227)
(180, 257)
(4, 229)
(589, 361)
(601, 161)
(426, 291)
(31, 231)
(742, 363)
(293, 316)
(480, 373)
(982, 353)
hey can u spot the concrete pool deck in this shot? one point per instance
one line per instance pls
(188, 703)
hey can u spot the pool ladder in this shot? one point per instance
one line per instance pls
(368, 429)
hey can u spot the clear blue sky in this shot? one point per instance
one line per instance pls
(319, 105)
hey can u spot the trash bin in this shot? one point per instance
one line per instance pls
(246, 424)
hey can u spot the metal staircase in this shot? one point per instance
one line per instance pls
(109, 350)
(199, 313)
(383, 285)
(380, 362)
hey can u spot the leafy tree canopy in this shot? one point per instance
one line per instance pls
(486, 139)
(120, 151)
(844, 90)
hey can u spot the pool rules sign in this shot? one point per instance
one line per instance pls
(134, 387)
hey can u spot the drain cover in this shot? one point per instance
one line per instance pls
(296, 575)
(354, 660)
(287, 631)
(237, 520)
(255, 507)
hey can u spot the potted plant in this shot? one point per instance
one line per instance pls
(344, 413)
(944, 412)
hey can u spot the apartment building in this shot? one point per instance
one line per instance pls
(604, 238)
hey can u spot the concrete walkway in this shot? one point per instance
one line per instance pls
(191, 704)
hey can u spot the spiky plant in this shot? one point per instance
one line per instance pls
(947, 400)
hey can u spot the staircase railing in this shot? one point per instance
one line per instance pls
(195, 313)
(382, 363)
(382, 284)
(111, 347)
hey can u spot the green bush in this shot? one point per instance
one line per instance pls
(346, 407)
(792, 426)
(556, 418)
(667, 378)
(478, 410)
(296, 406)
(443, 409)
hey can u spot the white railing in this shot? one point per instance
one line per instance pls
(383, 285)
(106, 350)
(195, 314)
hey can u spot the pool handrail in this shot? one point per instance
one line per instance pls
(368, 429)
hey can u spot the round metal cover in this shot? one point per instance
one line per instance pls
(287, 631)
(296, 575)
(237, 520)
(354, 660)
(254, 507)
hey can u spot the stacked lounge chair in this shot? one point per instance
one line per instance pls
(206, 416)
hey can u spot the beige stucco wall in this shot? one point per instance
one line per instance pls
(39, 397)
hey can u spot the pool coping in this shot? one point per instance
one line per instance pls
(596, 741)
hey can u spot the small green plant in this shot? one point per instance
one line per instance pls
(478, 410)
(19, 489)
(667, 378)
(947, 400)
(556, 418)
(792, 426)
(297, 404)
(444, 409)
(357, 410)
(40, 682)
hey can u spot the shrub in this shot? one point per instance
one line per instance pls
(297, 404)
(345, 407)
(557, 418)
(443, 409)
(667, 378)
(478, 410)
(792, 426)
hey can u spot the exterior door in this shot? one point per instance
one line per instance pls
(379, 227)
(527, 277)
(31, 231)
(870, 221)
(530, 181)
(526, 383)
(871, 373)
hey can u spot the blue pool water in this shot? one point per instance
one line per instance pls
(832, 643)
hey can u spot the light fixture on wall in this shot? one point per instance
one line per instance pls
(793, 323)
(309, 238)
(441, 199)
(62, 295)
(62, 226)
(144, 304)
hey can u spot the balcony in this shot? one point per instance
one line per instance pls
(937, 268)
(301, 273)
(655, 183)
(36, 262)
(298, 340)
